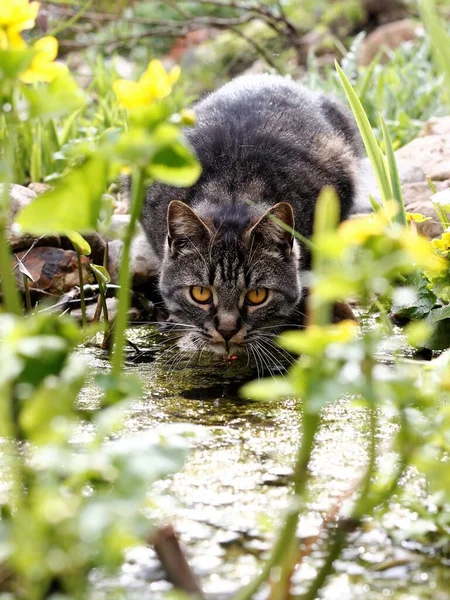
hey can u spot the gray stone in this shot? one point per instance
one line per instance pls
(39, 188)
(436, 126)
(111, 305)
(432, 153)
(408, 173)
(144, 265)
(417, 200)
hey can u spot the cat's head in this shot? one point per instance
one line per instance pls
(229, 277)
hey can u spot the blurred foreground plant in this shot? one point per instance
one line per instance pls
(64, 512)
(359, 259)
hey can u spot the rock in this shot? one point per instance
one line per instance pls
(436, 126)
(408, 172)
(417, 200)
(114, 256)
(144, 264)
(19, 198)
(390, 36)
(432, 153)
(95, 241)
(119, 224)
(55, 271)
(111, 304)
(39, 188)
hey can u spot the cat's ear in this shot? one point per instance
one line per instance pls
(276, 224)
(183, 223)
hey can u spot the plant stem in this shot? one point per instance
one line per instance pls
(282, 553)
(137, 200)
(10, 293)
(82, 299)
(27, 294)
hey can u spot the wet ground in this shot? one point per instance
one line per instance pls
(226, 502)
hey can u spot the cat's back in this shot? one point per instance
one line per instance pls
(268, 105)
(263, 139)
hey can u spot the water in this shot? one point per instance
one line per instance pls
(226, 501)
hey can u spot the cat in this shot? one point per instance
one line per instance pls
(230, 273)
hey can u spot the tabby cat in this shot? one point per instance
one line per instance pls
(230, 274)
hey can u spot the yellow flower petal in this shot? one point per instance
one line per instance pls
(46, 72)
(174, 74)
(18, 13)
(42, 67)
(155, 83)
(47, 48)
(156, 79)
(131, 94)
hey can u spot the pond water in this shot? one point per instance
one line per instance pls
(226, 502)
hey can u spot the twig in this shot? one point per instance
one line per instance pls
(169, 552)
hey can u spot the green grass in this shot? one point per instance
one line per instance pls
(406, 90)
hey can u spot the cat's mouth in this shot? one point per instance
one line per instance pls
(226, 349)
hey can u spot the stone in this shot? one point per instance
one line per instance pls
(19, 198)
(436, 126)
(432, 153)
(408, 173)
(389, 36)
(95, 241)
(144, 265)
(417, 200)
(55, 271)
(111, 305)
(39, 188)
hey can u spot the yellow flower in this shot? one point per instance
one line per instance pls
(154, 84)
(360, 229)
(421, 251)
(42, 67)
(15, 16)
(442, 244)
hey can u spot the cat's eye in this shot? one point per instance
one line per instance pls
(257, 296)
(200, 294)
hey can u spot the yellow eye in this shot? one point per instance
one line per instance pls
(258, 296)
(200, 294)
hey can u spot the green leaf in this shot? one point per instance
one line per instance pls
(59, 97)
(101, 274)
(440, 338)
(373, 151)
(441, 313)
(79, 243)
(397, 194)
(440, 40)
(73, 205)
(14, 62)
(175, 165)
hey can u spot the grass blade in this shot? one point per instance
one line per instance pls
(439, 38)
(373, 151)
(397, 193)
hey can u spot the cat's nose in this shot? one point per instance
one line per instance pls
(227, 334)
